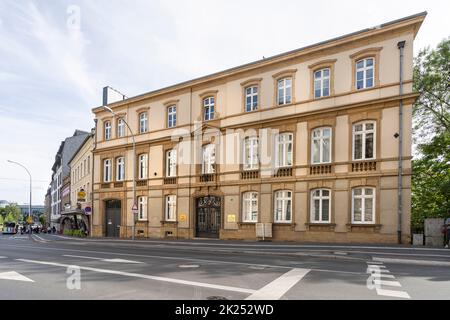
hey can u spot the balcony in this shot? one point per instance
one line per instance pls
(141, 183)
(250, 174)
(283, 172)
(320, 169)
(170, 180)
(210, 177)
(364, 166)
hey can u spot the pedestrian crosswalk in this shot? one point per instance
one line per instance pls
(384, 287)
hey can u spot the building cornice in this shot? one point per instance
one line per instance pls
(414, 21)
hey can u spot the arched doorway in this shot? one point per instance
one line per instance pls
(208, 217)
(113, 209)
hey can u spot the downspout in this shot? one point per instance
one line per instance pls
(92, 177)
(192, 209)
(401, 46)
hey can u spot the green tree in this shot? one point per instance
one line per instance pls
(12, 213)
(431, 168)
(1, 220)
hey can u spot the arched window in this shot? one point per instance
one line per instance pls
(143, 122)
(107, 170)
(120, 128)
(142, 208)
(320, 206)
(251, 98)
(120, 169)
(321, 145)
(364, 140)
(251, 158)
(284, 91)
(171, 163)
(171, 116)
(322, 83)
(283, 151)
(209, 159)
(363, 205)
(143, 166)
(283, 206)
(107, 130)
(171, 208)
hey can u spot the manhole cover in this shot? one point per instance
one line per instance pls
(216, 298)
(189, 266)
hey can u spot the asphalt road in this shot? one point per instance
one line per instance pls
(54, 267)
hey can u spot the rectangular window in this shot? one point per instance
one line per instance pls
(251, 159)
(321, 145)
(363, 205)
(209, 159)
(142, 208)
(322, 83)
(120, 128)
(171, 163)
(364, 141)
(107, 130)
(107, 170)
(250, 207)
(284, 91)
(208, 108)
(365, 73)
(283, 153)
(320, 206)
(143, 122)
(171, 208)
(283, 206)
(171, 116)
(143, 166)
(120, 169)
(251, 98)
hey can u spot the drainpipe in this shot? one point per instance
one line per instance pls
(92, 178)
(401, 46)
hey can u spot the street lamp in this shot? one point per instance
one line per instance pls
(29, 207)
(134, 165)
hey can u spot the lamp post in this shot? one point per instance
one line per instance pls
(29, 207)
(134, 166)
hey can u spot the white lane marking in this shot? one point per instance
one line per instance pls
(187, 259)
(277, 288)
(40, 239)
(144, 276)
(414, 262)
(15, 276)
(392, 293)
(2, 257)
(375, 266)
(103, 259)
(375, 262)
(387, 283)
(389, 276)
(188, 266)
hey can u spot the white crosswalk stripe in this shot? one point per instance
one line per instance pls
(378, 271)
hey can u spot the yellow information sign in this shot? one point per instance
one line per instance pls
(183, 217)
(231, 218)
(29, 220)
(81, 195)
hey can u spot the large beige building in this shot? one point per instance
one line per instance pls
(306, 142)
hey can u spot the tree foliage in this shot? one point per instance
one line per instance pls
(431, 169)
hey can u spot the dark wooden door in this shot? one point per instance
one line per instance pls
(113, 218)
(208, 217)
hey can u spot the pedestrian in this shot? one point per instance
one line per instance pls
(447, 232)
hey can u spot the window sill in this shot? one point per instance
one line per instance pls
(320, 226)
(363, 227)
(165, 222)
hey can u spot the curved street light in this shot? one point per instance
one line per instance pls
(21, 165)
(134, 165)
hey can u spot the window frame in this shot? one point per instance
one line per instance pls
(284, 207)
(363, 133)
(322, 80)
(245, 200)
(285, 150)
(107, 132)
(120, 127)
(364, 70)
(171, 155)
(170, 206)
(142, 204)
(253, 96)
(284, 89)
(321, 197)
(363, 198)
(118, 172)
(109, 171)
(143, 120)
(211, 164)
(250, 166)
(321, 139)
(208, 106)
(143, 166)
(374, 53)
(172, 116)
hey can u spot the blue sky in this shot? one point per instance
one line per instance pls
(53, 65)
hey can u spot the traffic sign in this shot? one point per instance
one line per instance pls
(134, 209)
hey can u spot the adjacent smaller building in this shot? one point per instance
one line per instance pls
(78, 208)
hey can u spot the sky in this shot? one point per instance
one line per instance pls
(56, 56)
